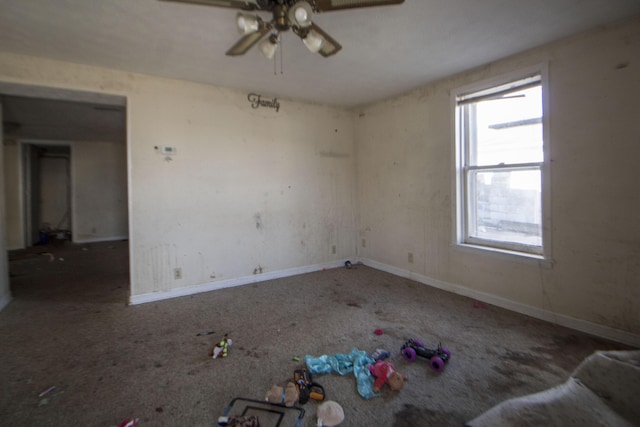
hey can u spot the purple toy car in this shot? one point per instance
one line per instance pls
(437, 358)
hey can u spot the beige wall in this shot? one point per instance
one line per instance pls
(99, 191)
(404, 148)
(249, 190)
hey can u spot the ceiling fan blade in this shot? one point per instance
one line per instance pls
(329, 5)
(233, 4)
(329, 46)
(248, 41)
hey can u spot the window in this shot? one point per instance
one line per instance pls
(500, 170)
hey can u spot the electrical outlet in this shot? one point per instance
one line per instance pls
(333, 249)
(364, 243)
(177, 273)
(410, 257)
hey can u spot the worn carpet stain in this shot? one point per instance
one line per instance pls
(411, 415)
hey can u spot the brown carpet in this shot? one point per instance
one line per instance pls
(68, 326)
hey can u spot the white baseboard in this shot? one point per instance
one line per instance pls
(4, 301)
(101, 239)
(538, 313)
(221, 284)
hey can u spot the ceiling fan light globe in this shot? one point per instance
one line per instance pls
(313, 41)
(247, 24)
(300, 14)
(268, 47)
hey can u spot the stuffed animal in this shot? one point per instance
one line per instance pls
(222, 348)
(385, 373)
(288, 395)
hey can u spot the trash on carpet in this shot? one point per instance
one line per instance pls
(329, 414)
(385, 373)
(269, 414)
(284, 395)
(307, 388)
(380, 354)
(129, 422)
(221, 349)
(47, 391)
(356, 362)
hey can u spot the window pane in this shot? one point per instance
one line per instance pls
(505, 206)
(507, 129)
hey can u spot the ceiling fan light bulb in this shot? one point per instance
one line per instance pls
(313, 41)
(300, 14)
(247, 24)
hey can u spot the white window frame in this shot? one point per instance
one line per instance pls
(461, 237)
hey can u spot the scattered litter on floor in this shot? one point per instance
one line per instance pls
(380, 354)
(356, 362)
(50, 394)
(479, 304)
(295, 359)
(329, 414)
(378, 331)
(348, 264)
(51, 256)
(242, 421)
(129, 422)
(221, 349)
(306, 387)
(385, 373)
(47, 391)
(201, 334)
(288, 396)
(268, 414)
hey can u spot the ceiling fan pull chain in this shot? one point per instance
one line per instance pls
(281, 52)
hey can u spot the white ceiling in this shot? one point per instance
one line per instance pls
(386, 51)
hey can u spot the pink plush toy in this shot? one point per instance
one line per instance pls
(385, 372)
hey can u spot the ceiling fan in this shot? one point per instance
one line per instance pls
(286, 14)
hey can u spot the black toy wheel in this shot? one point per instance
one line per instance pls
(409, 354)
(418, 343)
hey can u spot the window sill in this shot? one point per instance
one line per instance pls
(506, 255)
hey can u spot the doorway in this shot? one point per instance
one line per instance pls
(65, 171)
(47, 192)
